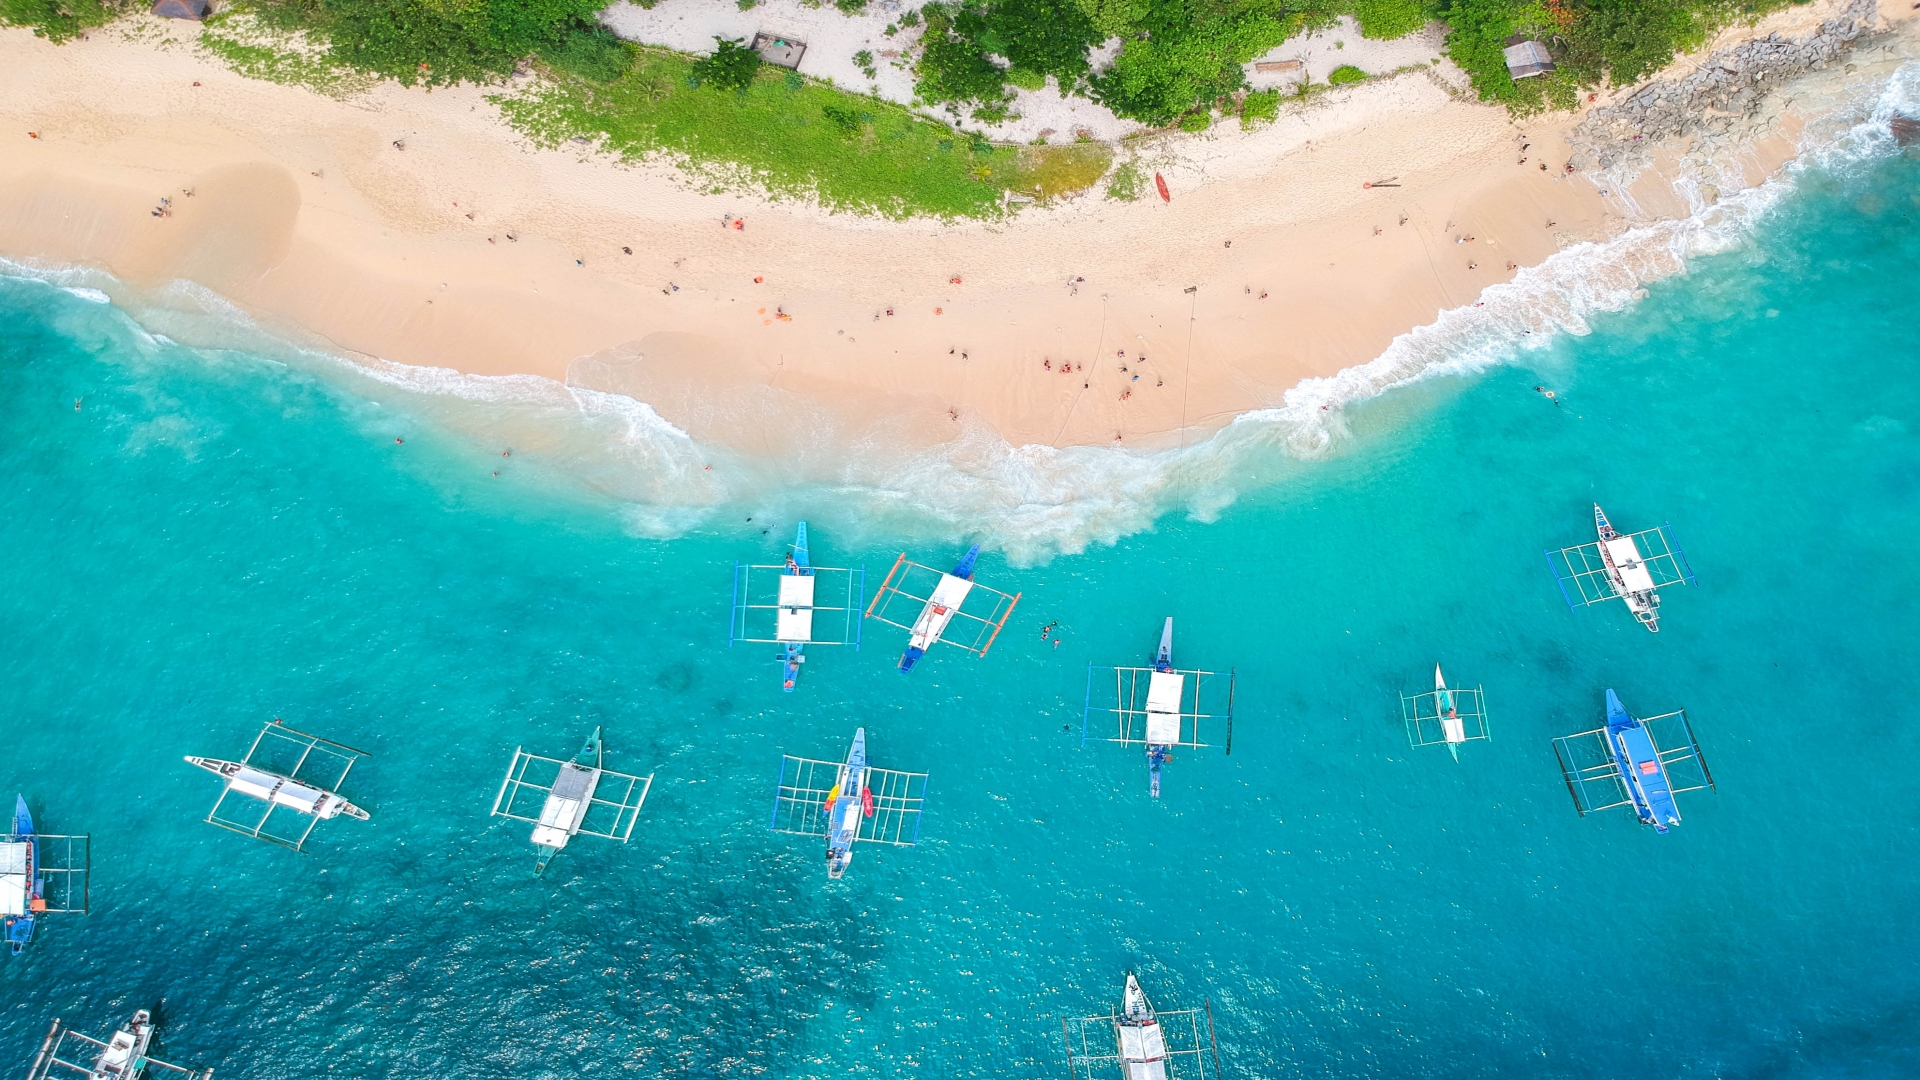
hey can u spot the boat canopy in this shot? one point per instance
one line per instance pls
(794, 620)
(1626, 559)
(566, 807)
(1164, 692)
(1142, 1043)
(951, 591)
(276, 789)
(15, 895)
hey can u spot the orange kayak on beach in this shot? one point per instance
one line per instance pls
(1161, 183)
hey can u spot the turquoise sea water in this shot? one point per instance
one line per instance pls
(216, 538)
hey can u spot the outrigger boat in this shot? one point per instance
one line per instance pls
(578, 787)
(124, 1057)
(1146, 1043)
(1632, 567)
(1641, 769)
(806, 604)
(277, 790)
(566, 805)
(947, 597)
(796, 596)
(940, 606)
(1143, 1046)
(1171, 713)
(1451, 726)
(1628, 572)
(1446, 716)
(1164, 691)
(21, 888)
(1632, 767)
(847, 804)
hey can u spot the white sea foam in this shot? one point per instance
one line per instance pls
(1032, 501)
(94, 295)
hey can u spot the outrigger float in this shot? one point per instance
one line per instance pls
(1633, 567)
(799, 619)
(848, 802)
(941, 605)
(40, 874)
(291, 772)
(1158, 707)
(571, 798)
(1634, 762)
(1147, 1045)
(1446, 717)
(123, 1057)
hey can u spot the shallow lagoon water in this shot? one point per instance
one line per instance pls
(215, 539)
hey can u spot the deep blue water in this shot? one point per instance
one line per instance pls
(216, 538)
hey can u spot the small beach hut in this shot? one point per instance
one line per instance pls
(778, 50)
(180, 9)
(1526, 57)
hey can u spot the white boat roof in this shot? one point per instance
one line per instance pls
(1139, 1044)
(951, 591)
(13, 884)
(1164, 692)
(790, 625)
(548, 836)
(1145, 1070)
(1455, 728)
(299, 797)
(1626, 559)
(560, 812)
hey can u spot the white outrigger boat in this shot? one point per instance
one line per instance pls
(1170, 714)
(938, 609)
(123, 1057)
(1632, 567)
(1143, 1046)
(279, 790)
(573, 793)
(809, 605)
(313, 799)
(1147, 1044)
(1628, 572)
(1448, 716)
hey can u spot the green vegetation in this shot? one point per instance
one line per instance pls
(595, 55)
(798, 138)
(1384, 20)
(1593, 42)
(731, 66)
(58, 20)
(1260, 107)
(1127, 183)
(1345, 73)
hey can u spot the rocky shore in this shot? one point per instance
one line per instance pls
(1723, 92)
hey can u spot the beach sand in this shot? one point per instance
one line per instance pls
(418, 228)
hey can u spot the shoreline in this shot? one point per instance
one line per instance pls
(305, 214)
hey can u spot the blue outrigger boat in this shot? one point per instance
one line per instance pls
(848, 802)
(1641, 769)
(21, 887)
(1630, 762)
(947, 597)
(796, 592)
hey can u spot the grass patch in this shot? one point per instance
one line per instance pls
(799, 138)
(58, 20)
(1127, 183)
(1346, 74)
